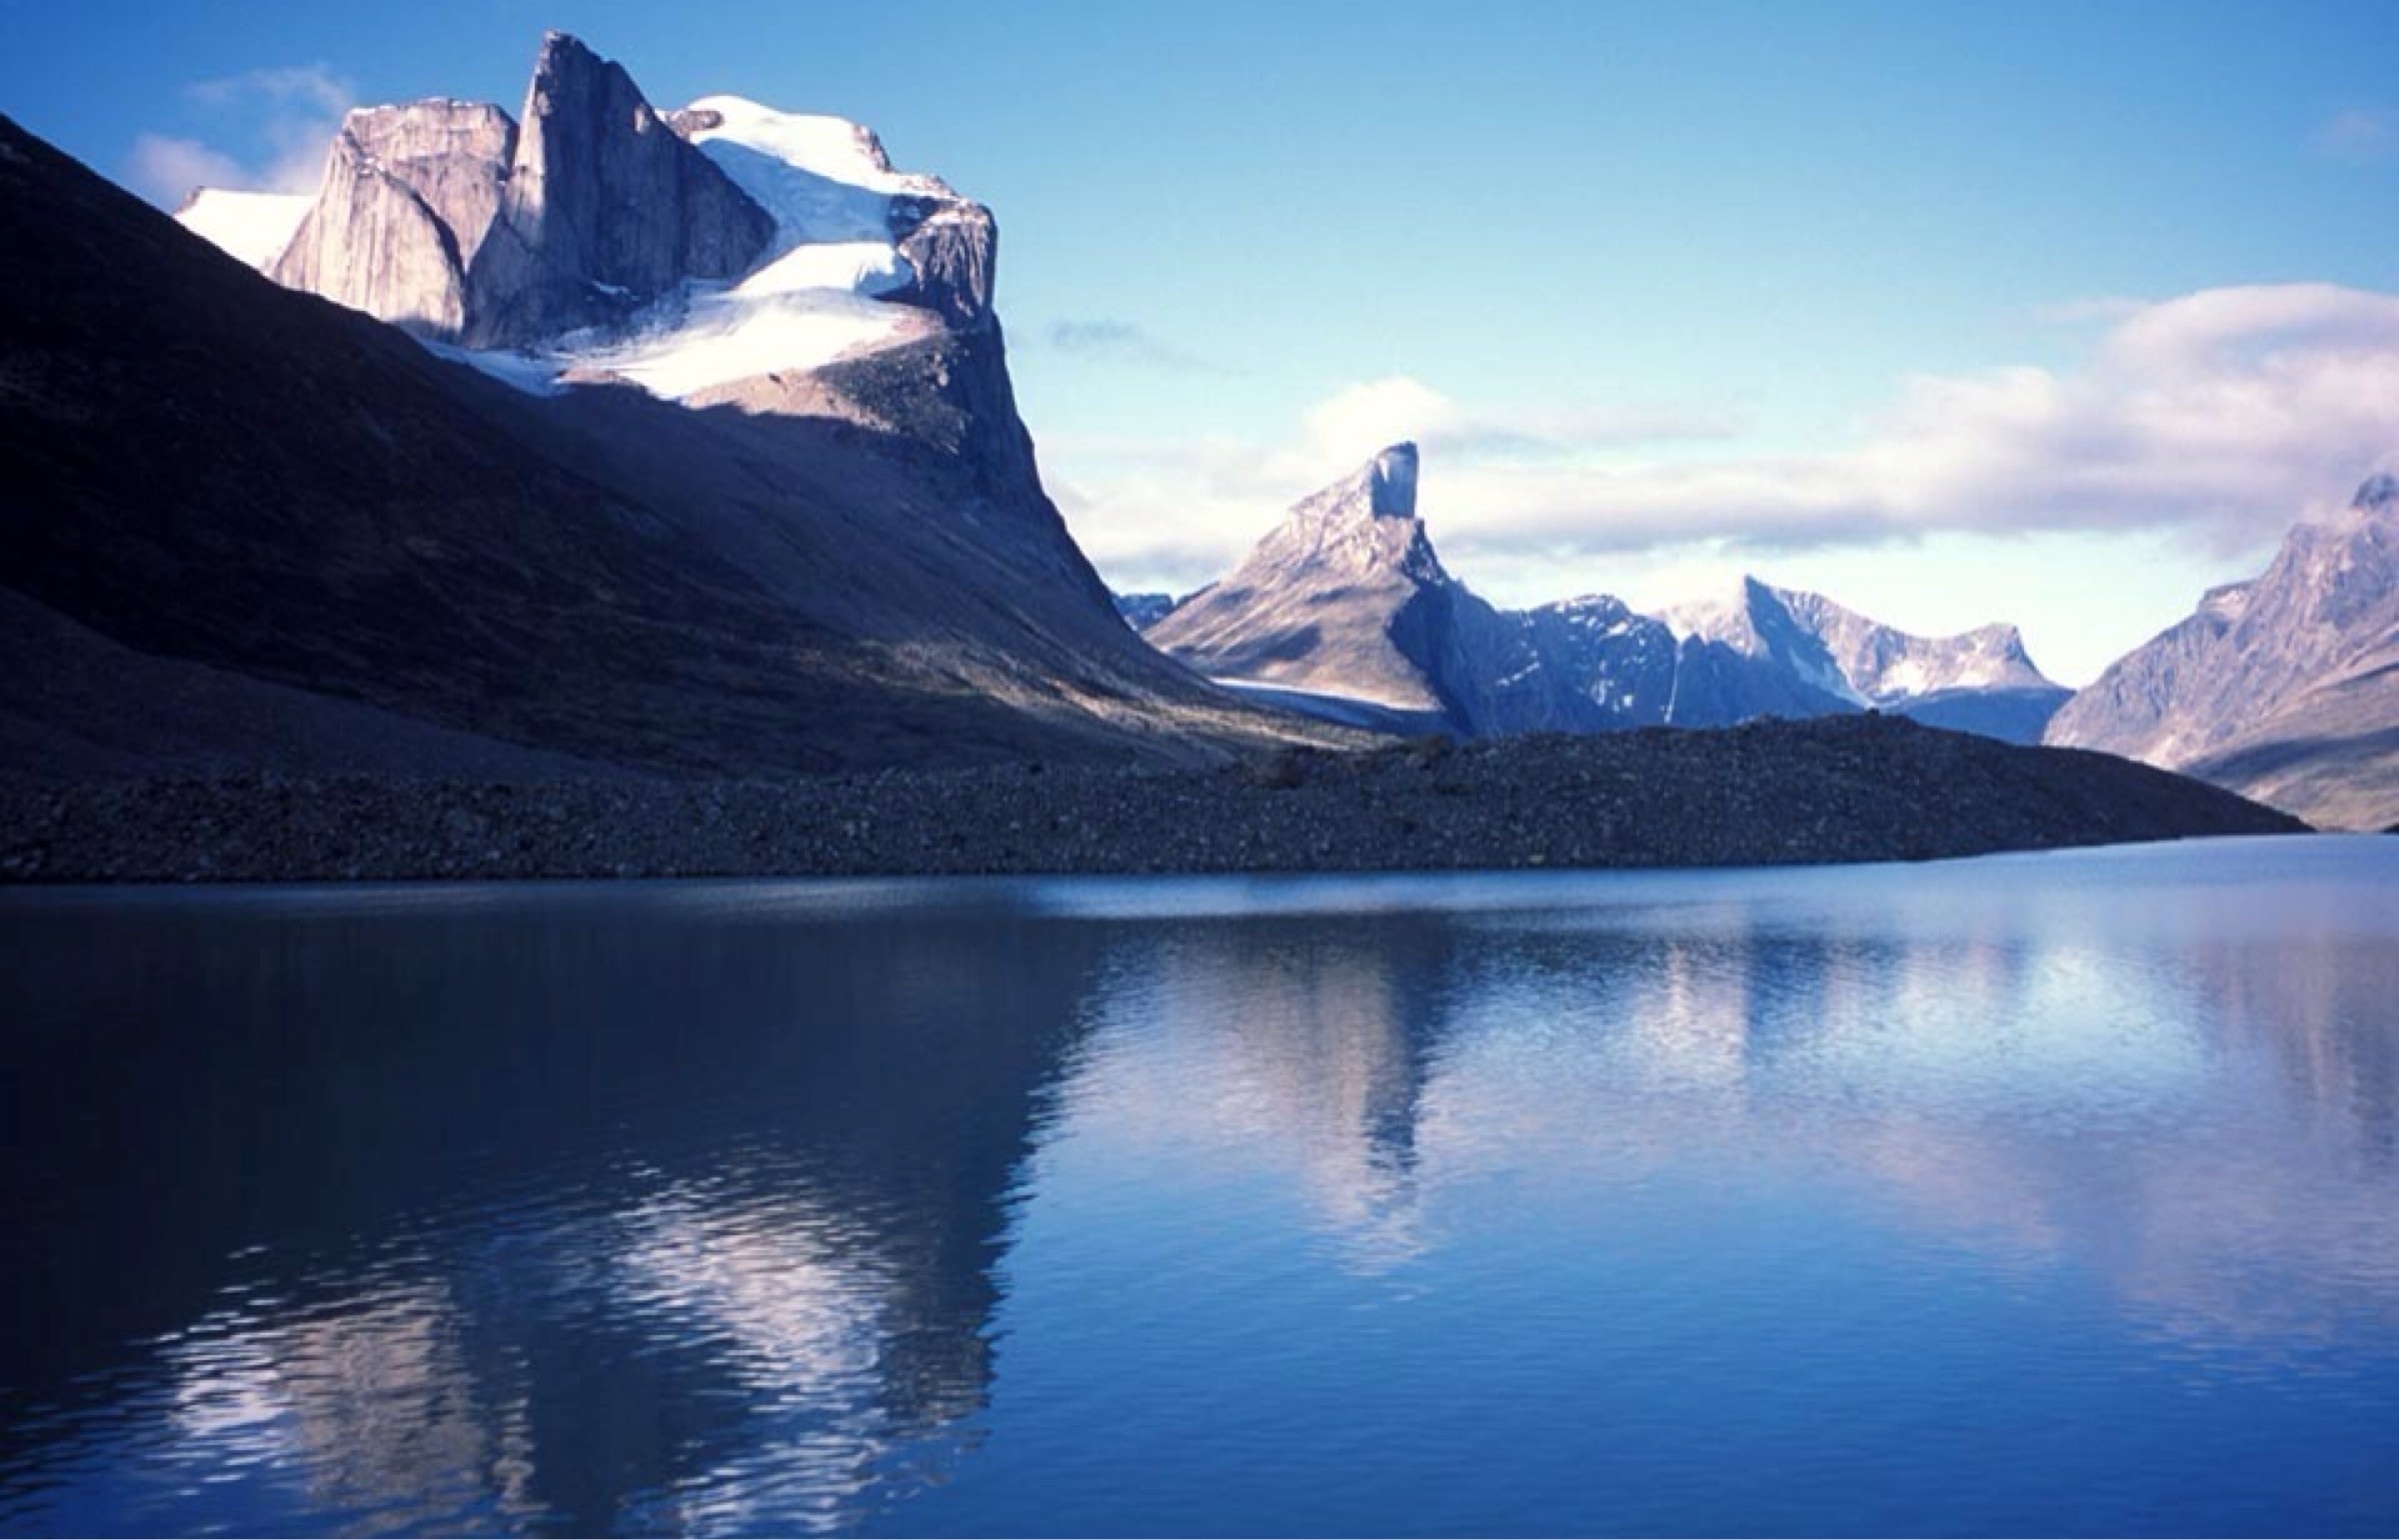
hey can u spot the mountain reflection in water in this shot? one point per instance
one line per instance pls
(2045, 1194)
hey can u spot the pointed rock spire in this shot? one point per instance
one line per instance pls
(606, 207)
(1333, 598)
(1363, 524)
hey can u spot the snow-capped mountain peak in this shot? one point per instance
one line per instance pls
(585, 243)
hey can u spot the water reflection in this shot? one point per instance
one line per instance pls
(2207, 1117)
(996, 1207)
(509, 1218)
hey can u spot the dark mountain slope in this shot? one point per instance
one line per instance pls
(204, 467)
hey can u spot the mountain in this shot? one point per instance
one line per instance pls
(594, 236)
(1343, 598)
(363, 553)
(2284, 687)
(1979, 681)
(1344, 610)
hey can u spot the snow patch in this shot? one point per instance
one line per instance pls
(738, 334)
(834, 149)
(816, 297)
(533, 372)
(253, 228)
(853, 267)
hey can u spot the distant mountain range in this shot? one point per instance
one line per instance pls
(1345, 608)
(2284, 688)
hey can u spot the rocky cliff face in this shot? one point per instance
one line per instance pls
(408, 196)
(952, 252)
(724, 252)
(461, 224)
(2286, 688)
(606, 209)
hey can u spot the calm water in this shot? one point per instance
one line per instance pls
(2038, 1194)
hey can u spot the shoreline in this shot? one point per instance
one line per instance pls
(1821, 792)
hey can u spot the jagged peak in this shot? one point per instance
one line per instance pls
(2377, 494)
(1364, 521)
(1384, 487)
(568, 70)
(562, 45)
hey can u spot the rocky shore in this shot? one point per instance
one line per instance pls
(1857, 788)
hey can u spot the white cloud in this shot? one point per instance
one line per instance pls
(2218, 416)
(2360, 134)
(165, 170)
(283, 118)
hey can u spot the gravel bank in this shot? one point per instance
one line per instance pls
(1856, 788)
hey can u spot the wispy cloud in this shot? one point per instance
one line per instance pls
(2220, 416)
(314, 85)
(165, 169)
(2360, 134)
(278, 120)
(1124, 342)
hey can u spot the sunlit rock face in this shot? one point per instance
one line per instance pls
(685, 251)
(606, 208)
(448, 218)
(408, 197)
(2284, 688)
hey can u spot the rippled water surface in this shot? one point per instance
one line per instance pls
(2038, 1194)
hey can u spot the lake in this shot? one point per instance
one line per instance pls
(2031, 1195)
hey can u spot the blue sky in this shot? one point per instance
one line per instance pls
(1959, 312)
